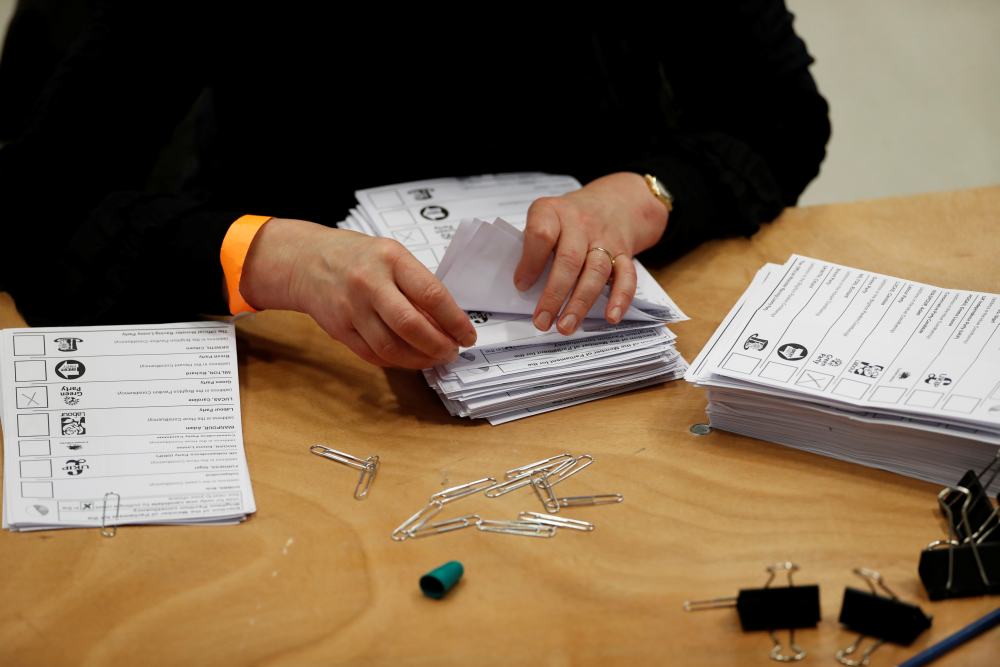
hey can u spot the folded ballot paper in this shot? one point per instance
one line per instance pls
(515, 370)
(860, 366)
(115, 425)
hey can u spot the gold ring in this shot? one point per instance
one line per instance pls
(605, 251)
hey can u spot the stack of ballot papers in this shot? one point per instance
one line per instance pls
(515, 370)
(860, 366)
(105, 426)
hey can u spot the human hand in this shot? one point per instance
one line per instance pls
(369, 293)
(615, 212)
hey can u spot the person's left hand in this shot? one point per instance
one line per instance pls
(617, 213)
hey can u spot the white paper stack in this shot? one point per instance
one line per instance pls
(515, 370)
(115, 425)
(860, 366)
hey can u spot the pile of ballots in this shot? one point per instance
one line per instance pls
(515, 370)
(859, 366)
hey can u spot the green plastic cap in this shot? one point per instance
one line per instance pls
(436, 583)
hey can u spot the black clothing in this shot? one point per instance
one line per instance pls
(293, 114)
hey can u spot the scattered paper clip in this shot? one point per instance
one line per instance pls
(524, 528)
(463, 490)
(512, 484)
(541, 475)
(569, 468)
(550, 462)
(109, 518)
(542, 488)
(368, 467)
(558, 468)
(584, 501)
(414, 523)
(446, 526)
(556, 521)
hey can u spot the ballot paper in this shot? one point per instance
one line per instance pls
(860, 366)
(122, 425)
(515, 370)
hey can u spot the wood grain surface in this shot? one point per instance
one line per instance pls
(314, 579)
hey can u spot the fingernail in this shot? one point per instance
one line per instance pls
(469, 339)
(616, 314)
(522, 284)
(543, 320)
(568, 324)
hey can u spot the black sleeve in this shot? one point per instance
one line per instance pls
(746, 128)
(84, 243)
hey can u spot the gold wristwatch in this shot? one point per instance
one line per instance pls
(660, 192)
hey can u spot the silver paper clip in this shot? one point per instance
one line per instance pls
(556, 521)
(462, 490)
(584, 501)
(524, 528)
(414, 523)
(550, 462)
(511, 484)
(570, 468)
(109, 518)
(368, 467)
(558, 468)
(540, 483)
(447, 526)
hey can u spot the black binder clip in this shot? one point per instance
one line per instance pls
(968, 562)
(783, 607)
(887, 619)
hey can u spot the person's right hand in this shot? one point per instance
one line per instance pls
(369, 293)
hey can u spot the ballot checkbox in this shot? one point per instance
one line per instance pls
(38, 468)
(34, 447)
(33, 425)
(850, 388)
(32, 397)
(779, 372)
(30, 371)
(814, 380)
(36, 489)
(741, 363)
(887, 394)
(924, 399)
(29, 345)
(964, 404)
(410, 237)
(400, 218)
(386, 199)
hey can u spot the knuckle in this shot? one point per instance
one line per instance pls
(551, 299)
(357, 279)
(387, 349)
(600, 268)
(406, 322)
(578, 304)
(568, 260)
(541, 205)
(433, 293)
(545, 233)
(388, 250)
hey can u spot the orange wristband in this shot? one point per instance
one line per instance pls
(235, 247)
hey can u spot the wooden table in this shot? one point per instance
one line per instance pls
(313, 578)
